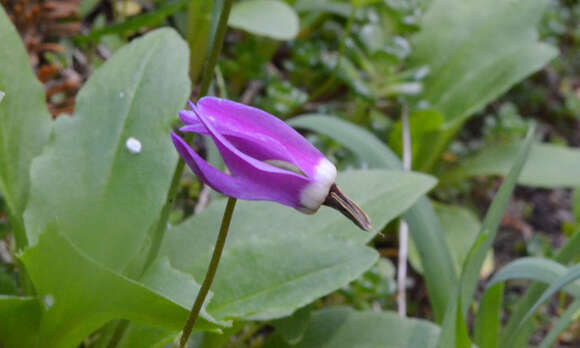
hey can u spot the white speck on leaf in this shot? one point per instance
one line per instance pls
(133, 145)
(48, 301)
(122, 95)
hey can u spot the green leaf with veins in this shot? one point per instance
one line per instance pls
(474, 56)
(276, 259)
(103, 196)
(343, 327)
(80, 295)
(24, 123)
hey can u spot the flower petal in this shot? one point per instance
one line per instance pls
(275, 183)
(238, 162)
(189, 117)
(219, 181)
(267, 187)
(258, 146)
(248, 120)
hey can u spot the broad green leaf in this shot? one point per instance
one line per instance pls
(20, 317)
(369, 150)
(24, 123)
(104, 198)
(293, 327)
(272, 18)
(422, 124)
(140, 336)
(219, 340)
(421, 218)
(276, 259)
(548, 166)
(475, 51)
(270, 277)
(488, 319)
(78, 300)
(459, 226)
(567, 318)
(342, 327)
(465, 289)
(178, 286)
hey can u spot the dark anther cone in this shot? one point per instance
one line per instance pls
(338, 200)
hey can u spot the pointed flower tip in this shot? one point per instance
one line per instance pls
(253, 144)
(178, 143)
(174, 137)
(338, 200)
(188, 117)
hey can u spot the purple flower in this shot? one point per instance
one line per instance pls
(268, 160)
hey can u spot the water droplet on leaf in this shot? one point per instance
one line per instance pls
(133, 145)
(48, 301)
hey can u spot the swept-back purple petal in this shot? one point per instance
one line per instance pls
(219, 181)
(258, 146)
(238, 162)
(188, 117)
(271, 184)
(249, 120)
(234, 186)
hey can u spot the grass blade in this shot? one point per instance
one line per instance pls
(455, 315)
(487, 322)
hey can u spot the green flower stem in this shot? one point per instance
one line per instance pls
(159, 229)
(17, 225)
(198, 34)
(211, 61)
(209, 67)
(211, 271)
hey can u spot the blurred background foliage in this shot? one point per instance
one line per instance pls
(366, 62)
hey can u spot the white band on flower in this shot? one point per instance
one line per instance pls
(312, 197)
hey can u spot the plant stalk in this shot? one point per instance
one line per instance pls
(403, 227)
(210, 274)
(209, 67)
(198, 34)
(211, 61)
